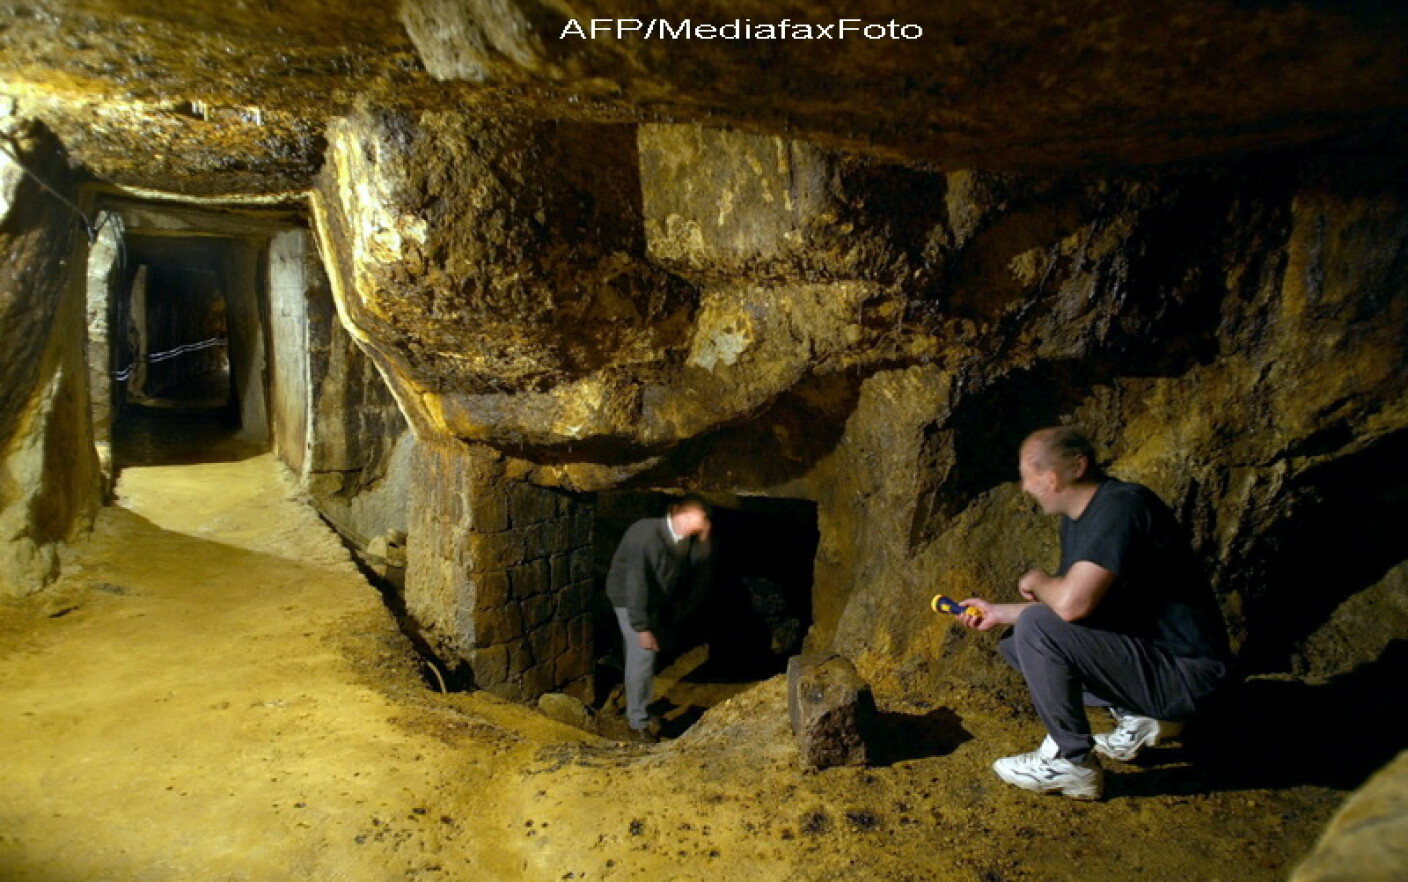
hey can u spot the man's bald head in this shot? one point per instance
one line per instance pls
(1065, 451)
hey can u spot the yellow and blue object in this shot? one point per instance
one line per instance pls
(940, 603)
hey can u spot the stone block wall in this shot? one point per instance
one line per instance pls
(359, 464)
(499, 574)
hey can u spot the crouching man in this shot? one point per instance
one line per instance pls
(1128, 622)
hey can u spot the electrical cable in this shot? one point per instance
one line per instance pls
(166, 355)
(11, 149)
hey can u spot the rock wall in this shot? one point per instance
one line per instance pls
(49, 479)
(1230, 337)
(774, 317)
(104, 275)
(1368, 837)
(359, 464)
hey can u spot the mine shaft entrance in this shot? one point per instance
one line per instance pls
(742, 627)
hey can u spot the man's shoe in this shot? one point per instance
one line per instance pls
(1132, 734)
(643, 736)
(1042, 771)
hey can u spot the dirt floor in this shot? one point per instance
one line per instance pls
(214, 693)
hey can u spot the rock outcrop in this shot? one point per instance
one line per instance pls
(1368, 838)
(49, 479)
(831, 709)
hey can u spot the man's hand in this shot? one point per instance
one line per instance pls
(647, 641)
(993, 614)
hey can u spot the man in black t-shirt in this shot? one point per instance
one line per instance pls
(1127, 622)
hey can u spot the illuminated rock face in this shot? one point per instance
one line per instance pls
(221, 98)
(771, 317)
(771, 269)
(49, 484)
(1366, 838)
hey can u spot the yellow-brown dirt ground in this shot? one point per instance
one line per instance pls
(213, 692)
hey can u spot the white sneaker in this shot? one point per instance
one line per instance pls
(1042, 770)
(1132, 734)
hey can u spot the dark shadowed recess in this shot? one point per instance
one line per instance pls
(1281, 733)
(1343, 534)
(896, 737)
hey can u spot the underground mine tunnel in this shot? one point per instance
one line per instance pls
(343, 345)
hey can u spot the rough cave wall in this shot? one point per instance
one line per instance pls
(49, 478)
(879, 339)
(360, 456)
(1234, 338)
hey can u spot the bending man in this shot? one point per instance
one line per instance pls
(651, 564)
(1127, 622)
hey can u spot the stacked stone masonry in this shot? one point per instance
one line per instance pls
(499, 574)
(530, 561)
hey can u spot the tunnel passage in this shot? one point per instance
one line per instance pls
(185, 331)
(177, 331)
(738, 629)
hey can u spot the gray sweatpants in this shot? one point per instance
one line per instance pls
(1068, 666)
(640, 673)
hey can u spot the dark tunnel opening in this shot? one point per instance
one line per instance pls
(184, 319)
(739, 630)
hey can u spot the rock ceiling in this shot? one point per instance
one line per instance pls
(233, 96)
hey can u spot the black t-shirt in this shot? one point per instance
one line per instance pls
(1159, 592)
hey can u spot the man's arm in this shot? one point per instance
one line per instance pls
(631, 566)
(639, 612)
(1072, 596)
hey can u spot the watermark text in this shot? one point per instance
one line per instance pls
(738, 29)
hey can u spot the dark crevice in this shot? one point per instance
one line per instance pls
(438, 674)
(1343, 534)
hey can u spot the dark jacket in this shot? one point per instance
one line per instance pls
(649, 567)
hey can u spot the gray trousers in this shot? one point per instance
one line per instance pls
(640, 673)
(1068, 666)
